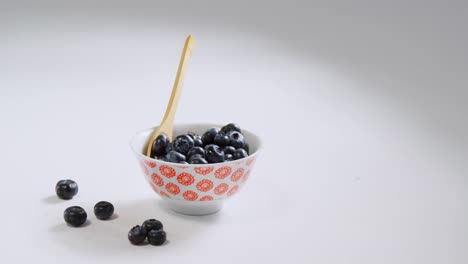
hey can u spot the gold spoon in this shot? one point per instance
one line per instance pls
(168, 120)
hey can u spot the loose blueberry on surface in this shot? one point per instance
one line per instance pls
(137, 235)
(103, 210)
(75, 216)
(229, 150)
(152, 224)
(230, 127)
(183, 144)
(197, 159)
(221, 140)
(239, 154)
(209, 135)
(214, 154)
(159, 146)
(228, 157)
(196, 151)
(156, 237)
(236, 139)
(175, 157)
(66, 189)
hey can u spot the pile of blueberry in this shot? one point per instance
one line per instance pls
(76, 216)
(214, 146)
(151, 229)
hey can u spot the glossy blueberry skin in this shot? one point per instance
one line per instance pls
(175, 157)
(75, 216)
(236, 139)
(137, 235)
(247, 148)
(159, 146)
(157, 237)
(152, 224)
(221, 140)
(230, 127)
(229, 150)
(103, 210)
(214, 154)
(228, 157)
(239, 154)
(197, 141)
(169, 147)
(197, 159)
(66, 189)
(183, 144)
(196, 151)
(209, 135)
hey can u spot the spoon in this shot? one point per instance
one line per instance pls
(166, 126)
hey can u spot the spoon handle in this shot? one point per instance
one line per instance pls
(168, 120)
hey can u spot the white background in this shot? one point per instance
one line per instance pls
(362, 109)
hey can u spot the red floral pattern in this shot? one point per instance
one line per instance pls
(206, 198)
(190, 195)
(185, 179)
(145, 169)
(246, 176)
(223, 172)
(172, 188)
(221, 189)
(204, 185)
(233, 190)
(167, 171)
(154, 188)
(150, 163)
(164, 194)
(250, 161)
(203, 170)
(237, 175)
(157, 179)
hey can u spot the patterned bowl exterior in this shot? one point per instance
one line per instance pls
(196, 183)
(190, 182)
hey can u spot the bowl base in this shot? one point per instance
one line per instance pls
(194, 207)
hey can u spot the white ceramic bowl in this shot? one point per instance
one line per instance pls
(195, 189)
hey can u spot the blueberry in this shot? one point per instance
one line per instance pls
(103, 210)
(183, 162)
(209, 135)
(229, 150)
(195, 151)
(152, 224)
(137, 235)
(156, 237)
(230, 127)
(183, 144)
(246, 147)
(197, 141)
(169, 147)
(163, 158)
(159, 146)
(236, 139)
(228, 157)
(66, 189)
(214, 154)
(175, 157)
(239, 154)
(75, 216)
(197, 159)
(221, 140)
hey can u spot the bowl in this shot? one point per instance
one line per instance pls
(195, 189)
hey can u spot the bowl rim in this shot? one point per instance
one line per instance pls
(259, 147)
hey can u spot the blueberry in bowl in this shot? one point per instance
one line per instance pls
(201, 167)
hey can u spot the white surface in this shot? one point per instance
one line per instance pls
(375, 170)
